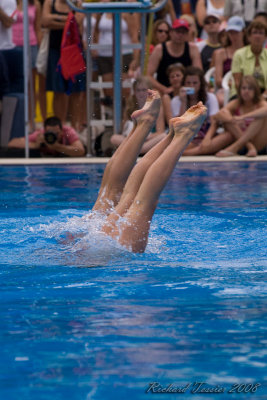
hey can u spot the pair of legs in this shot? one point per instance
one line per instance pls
(234, 139)
(132, 192)
(253, 138)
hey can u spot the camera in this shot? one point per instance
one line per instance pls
(50, 137)
(189, 90)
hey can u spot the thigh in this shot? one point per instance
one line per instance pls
(260, 139)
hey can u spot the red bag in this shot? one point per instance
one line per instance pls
(71, 62)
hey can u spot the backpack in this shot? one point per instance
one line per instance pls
(71, 62)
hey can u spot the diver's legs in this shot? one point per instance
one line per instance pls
(123, 160)
(134, 228)
(137, 175)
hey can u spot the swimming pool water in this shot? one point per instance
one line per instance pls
(80, 320)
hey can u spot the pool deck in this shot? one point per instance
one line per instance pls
(104, 160)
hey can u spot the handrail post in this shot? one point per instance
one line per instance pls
(117, 76)
(26, 50)
(88, 82)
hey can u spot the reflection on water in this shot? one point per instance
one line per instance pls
(191, 308)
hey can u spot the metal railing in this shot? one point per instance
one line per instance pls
(116, 8)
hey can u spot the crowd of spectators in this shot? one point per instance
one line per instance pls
(193, 46)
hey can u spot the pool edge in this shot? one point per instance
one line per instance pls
(104, 160)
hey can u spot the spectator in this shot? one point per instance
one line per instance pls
(208, 46)
(167, 13)
(161, 33)
(262, 17)
(246, 9)
(223, 57)
(54, 17)
(11, 57)
(194, 81)
(53, 140)
(103, 35)
(184, 7)
(175, 74)
(206, 7)
(176, 50)
(34, 18)
(252, 59)
(136, 102)
(245, 121)
(193, 32)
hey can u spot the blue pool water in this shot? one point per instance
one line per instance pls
(81, 320)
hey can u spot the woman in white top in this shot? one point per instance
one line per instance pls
(193, 90)
(103, 35)
(208, 7)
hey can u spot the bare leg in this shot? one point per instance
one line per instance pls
(243, 138)
(217, 143)
(133, 231)
(139, 171)
(123, 160)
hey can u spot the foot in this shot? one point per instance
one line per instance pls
(252, 151)
(225, 153)
(150, 111)
(190, 122)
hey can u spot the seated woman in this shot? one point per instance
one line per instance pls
(244, 120)
(140, 91)
(193, 90)
(160, 34)
(129, 194)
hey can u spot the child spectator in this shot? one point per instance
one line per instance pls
(194, 89)
(175, 74)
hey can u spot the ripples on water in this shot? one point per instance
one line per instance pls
(192, 307)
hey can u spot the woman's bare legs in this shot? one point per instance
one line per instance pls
(215, 144)
(244, 138)
(133, 230)
(122, 162)
(137, 175)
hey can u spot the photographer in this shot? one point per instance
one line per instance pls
(53, 140)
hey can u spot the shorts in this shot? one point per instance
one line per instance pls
(105, 64)
(55, 81)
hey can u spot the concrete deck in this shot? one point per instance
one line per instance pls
(103, 160)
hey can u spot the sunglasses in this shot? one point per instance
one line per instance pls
(162, 30)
